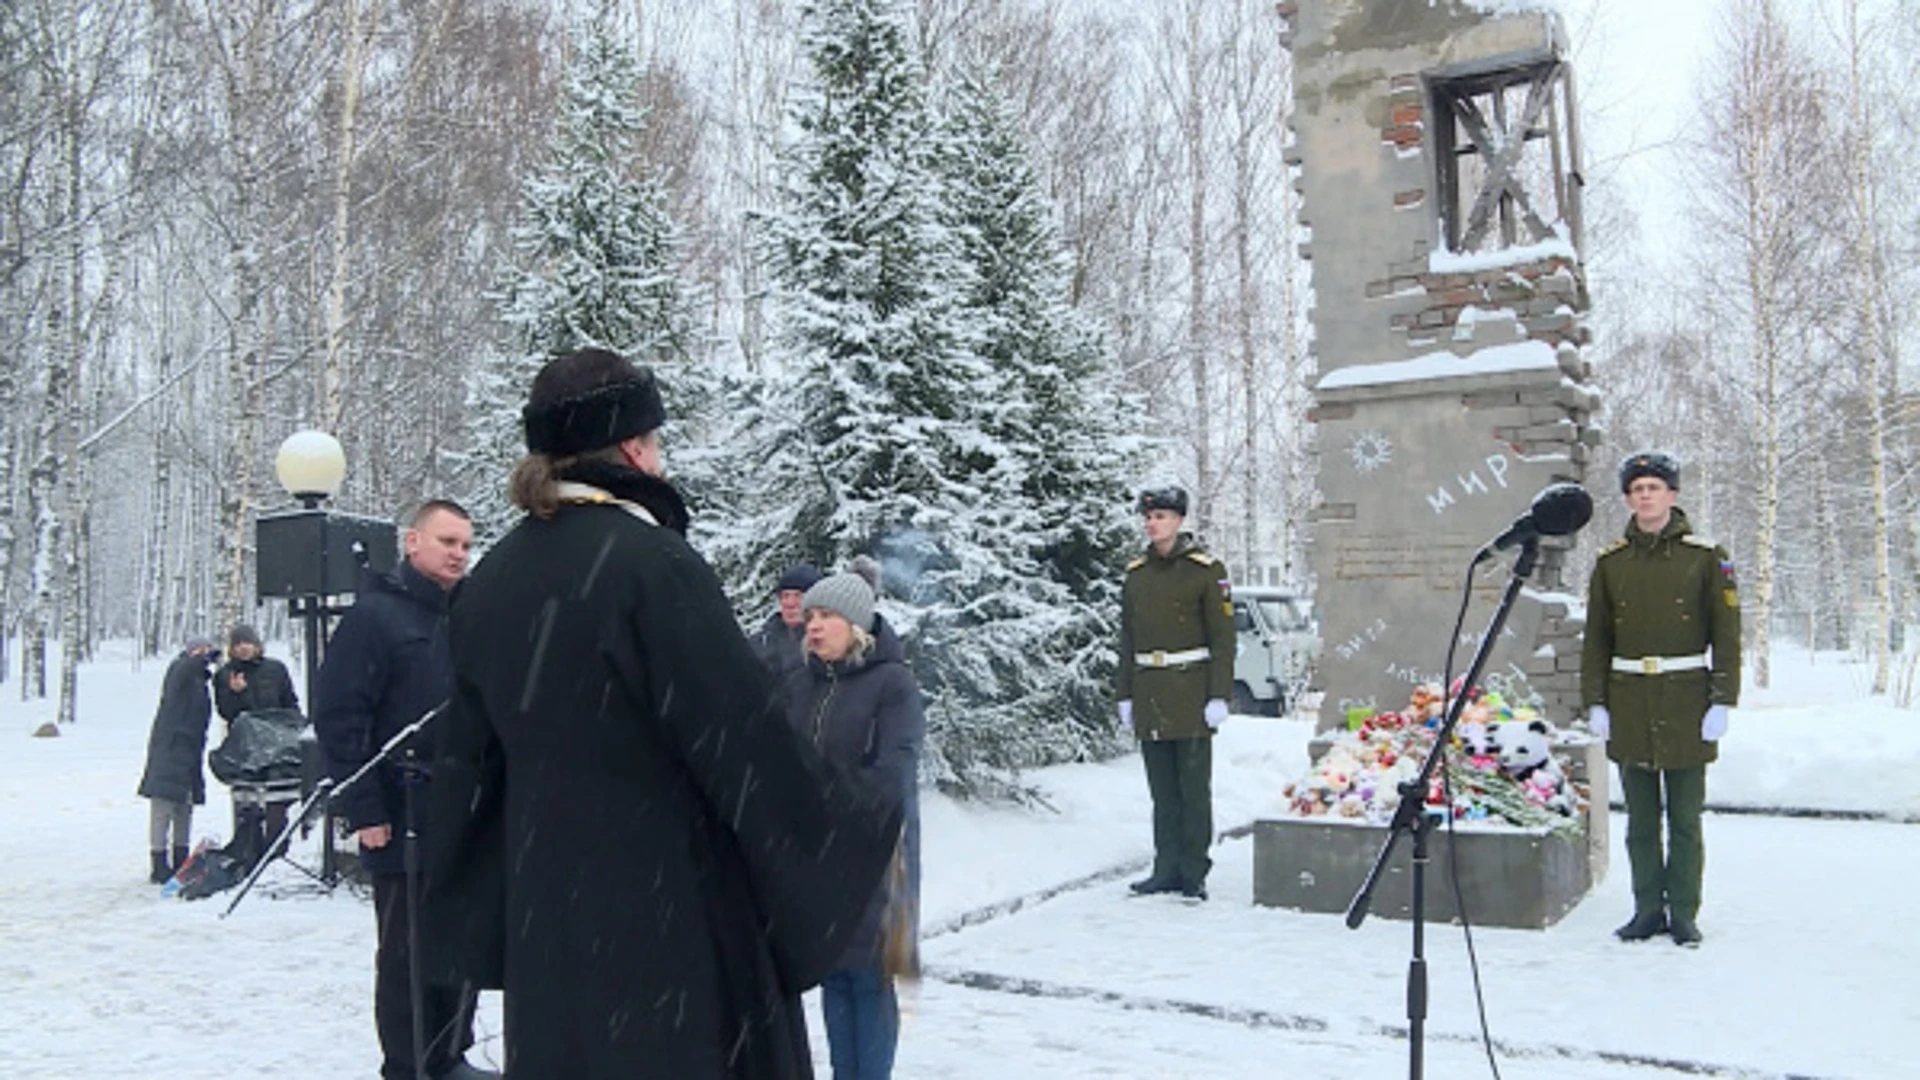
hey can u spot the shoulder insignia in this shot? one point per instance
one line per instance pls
(1202, 558)
(1616, 545)
(1698, 541)
(1137, 563)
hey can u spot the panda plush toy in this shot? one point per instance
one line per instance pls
(1523, 747)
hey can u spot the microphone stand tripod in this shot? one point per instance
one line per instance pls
(1410, 818)
(324, 791)
(416, 991)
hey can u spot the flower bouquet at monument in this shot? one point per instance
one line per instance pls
(1499, 767)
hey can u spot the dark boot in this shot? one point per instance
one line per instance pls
(179, 858)
(1685, 932)
(1194, 890)
(1151, 885)
(1642, 926)
(161, 871)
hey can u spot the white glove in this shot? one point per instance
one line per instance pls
(1216, 713)
(1714, 724)
(1599, 721)
(1126, 717)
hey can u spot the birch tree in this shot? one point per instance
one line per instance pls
(1763, 123)
(361, 19)
(1870, 338)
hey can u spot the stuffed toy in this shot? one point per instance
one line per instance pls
(1523, 747)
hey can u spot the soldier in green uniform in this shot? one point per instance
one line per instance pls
(1660, 669)
(1176, 674)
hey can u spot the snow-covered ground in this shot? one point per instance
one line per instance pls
(1038, 965)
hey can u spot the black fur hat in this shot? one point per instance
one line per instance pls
(1653, 463)
(1172, 497)
(620, 399)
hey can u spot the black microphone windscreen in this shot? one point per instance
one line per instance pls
(1561, 509)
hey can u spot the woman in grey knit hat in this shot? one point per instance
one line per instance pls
(856, 700)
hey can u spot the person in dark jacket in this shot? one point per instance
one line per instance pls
(626, 836)
(176, 746)
(857, 701)
(1659, 671)
(248, 682)
(781, 640)
(387, 666)
(250, 679)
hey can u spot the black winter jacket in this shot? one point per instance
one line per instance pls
(780, 646)
(177, 745)
(865, 714)
(386, 666)
(268, 686)
(625, 834)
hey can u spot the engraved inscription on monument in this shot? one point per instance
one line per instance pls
(1440, 561)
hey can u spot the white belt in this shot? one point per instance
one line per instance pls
(1161, 658)
(1659, 665)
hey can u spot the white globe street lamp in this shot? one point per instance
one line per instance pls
(311, 465)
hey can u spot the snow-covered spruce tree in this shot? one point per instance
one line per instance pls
(920, 366)
(596, 261)
(877, 437)
(1073, 444)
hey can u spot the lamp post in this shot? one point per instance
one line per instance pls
(311, 465)
(311, 556)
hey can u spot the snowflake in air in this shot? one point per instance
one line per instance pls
(1370, 451)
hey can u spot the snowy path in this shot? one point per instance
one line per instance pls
(1771, 993)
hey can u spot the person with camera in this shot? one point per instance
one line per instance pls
(251, 681)
(386, 667)
(626, 835)
(1175, 678)
(174, 780)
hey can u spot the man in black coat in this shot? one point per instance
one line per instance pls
(386, 667)
(248, 682)
(781, 639)
(626, 836)
(174, 781)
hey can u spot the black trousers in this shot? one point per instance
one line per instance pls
(448, 1023)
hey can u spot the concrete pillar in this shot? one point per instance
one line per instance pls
(1438, 157)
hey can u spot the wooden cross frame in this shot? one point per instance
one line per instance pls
(1501, 141)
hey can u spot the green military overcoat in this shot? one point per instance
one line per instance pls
(1170, 604)
(1665, 595)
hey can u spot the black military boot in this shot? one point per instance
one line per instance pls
(1685, 932)
(1151, 885)
(161, 871)
(1642, 926)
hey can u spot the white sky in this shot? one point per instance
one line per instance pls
(1636, 63)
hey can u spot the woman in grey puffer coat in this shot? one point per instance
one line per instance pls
(857, 701)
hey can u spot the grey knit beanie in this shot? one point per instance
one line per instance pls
(849, 594)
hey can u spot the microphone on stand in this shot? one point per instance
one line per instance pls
(1558, 510)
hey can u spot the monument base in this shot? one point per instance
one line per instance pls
(1508, 877)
